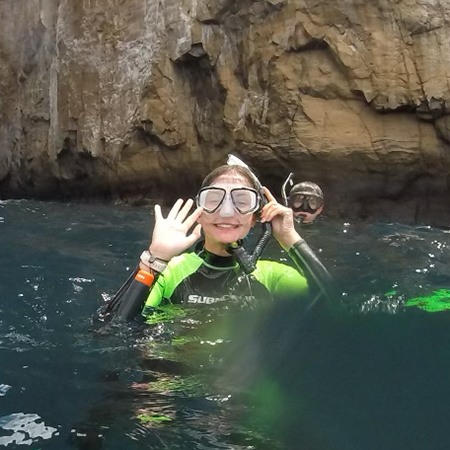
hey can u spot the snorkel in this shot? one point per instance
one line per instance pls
(283, 189)
(246, 260)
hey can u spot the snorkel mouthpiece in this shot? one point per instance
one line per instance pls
(244, 260)
(247, 261)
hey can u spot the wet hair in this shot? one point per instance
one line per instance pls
(230, 169)
(307, 188)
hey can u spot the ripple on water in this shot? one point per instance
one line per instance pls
(4, 388)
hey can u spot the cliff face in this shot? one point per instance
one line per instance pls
(143, 97)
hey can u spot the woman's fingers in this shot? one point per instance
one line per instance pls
(267, 211)
(193, 218)
(197, 231)
(269, 195)
(272, 210)
(175, 209)
(185, 209)
(158, 213)
(195, 235)
(179, 217)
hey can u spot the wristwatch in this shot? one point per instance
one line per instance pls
(156, 264)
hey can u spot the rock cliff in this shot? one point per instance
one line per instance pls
(142, 97)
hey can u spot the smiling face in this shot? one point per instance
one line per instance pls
(226, 225)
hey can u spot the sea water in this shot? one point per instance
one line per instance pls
(365, 372)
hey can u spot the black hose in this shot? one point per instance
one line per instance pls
(246, 261)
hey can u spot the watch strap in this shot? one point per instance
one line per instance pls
(154, 263)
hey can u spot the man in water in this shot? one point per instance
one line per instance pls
(305, 199)
(228, 205)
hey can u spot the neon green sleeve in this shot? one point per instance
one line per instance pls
(176, 271)
(281, 279)
(157, 293)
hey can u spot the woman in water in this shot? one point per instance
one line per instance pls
(228, 205)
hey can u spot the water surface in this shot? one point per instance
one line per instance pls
(370, 373)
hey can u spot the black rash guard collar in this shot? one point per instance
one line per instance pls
(221, 262)
(212, 260)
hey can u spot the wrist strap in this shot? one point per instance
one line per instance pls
(154, 263)
(145, 277)
(158, 265)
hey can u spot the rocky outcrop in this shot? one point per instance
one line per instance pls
(143, 97)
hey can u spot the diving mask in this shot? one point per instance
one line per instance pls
(245, 200)
(303, 197)
(304, 203)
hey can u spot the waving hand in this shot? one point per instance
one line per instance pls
(172, 235)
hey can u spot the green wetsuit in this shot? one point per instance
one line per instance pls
(204, 278)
